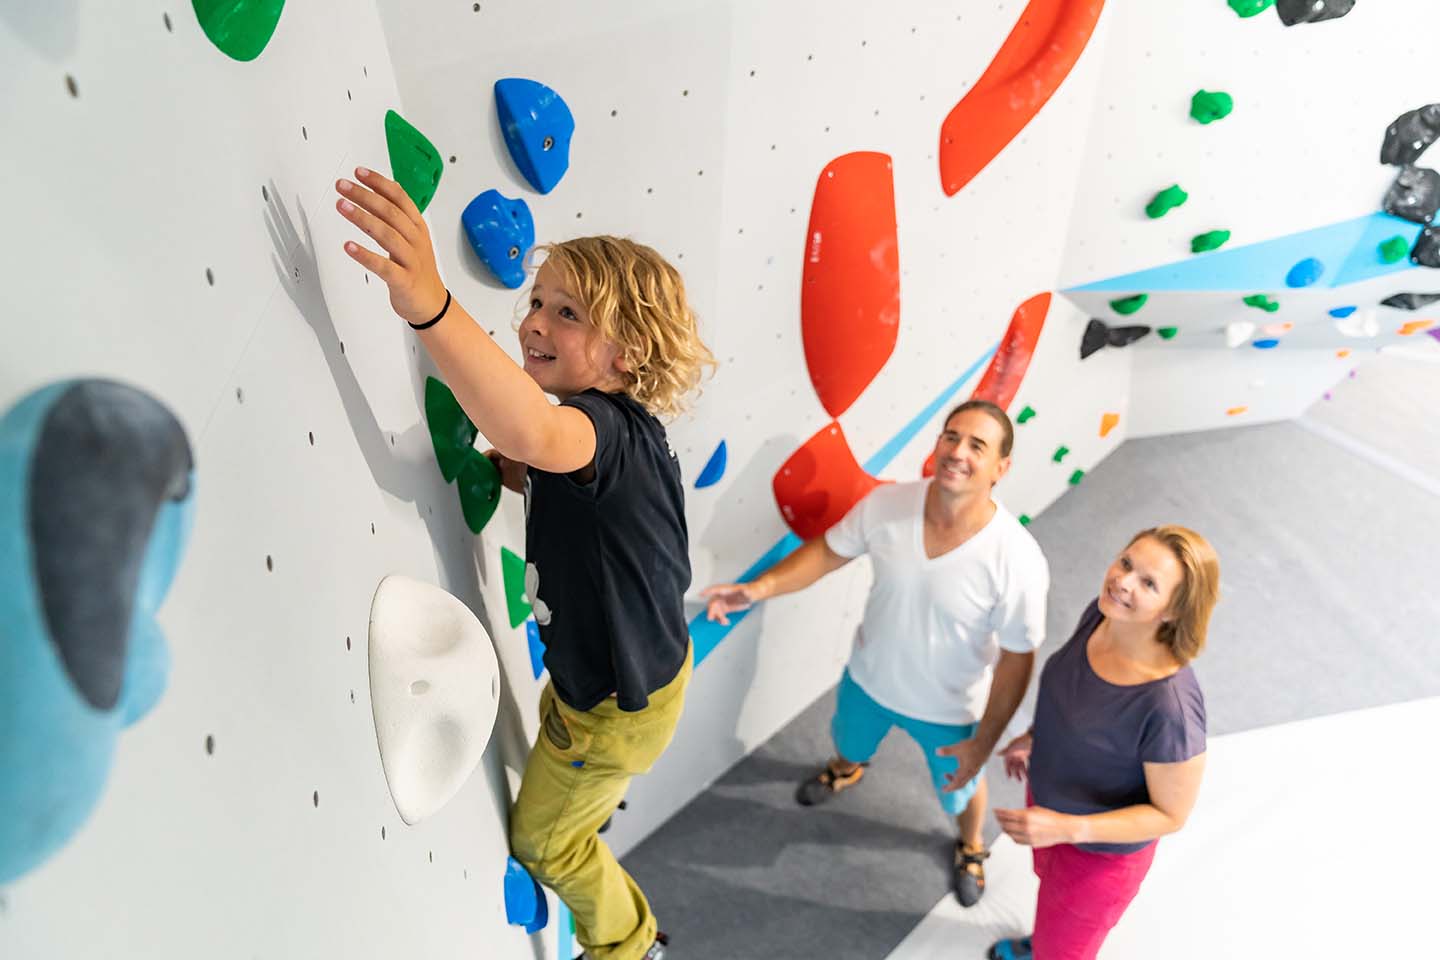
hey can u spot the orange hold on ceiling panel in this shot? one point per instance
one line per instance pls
(1034, 60)
(850, 297)
(1012, 358)
(1108, 422)
(820, 482)
(1414, 327)
(1235, 411)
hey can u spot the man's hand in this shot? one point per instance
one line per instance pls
(970, 754)
(1037, 826)
(512, 472)
(383, 210)
(728, 598)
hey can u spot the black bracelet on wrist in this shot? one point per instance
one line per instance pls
(430, 323)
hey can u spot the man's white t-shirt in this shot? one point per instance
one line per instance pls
(933, 628)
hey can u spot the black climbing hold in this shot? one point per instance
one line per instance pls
(1293, 12)
(1415, 195)
(1099, 335)
(1410, 135)
(1410, 301)
(1426, 252)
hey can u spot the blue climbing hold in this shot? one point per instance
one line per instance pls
(501, 231)
(525, 904)
(97, 495)
(537, 648)
(1305, 273)
(714, 469)
(1265, 344)
(537, 126)
(1340, 313)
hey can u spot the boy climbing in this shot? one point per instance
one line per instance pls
(610, 334)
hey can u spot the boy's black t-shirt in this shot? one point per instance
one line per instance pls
(613, 561)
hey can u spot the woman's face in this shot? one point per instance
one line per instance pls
(1140, 584)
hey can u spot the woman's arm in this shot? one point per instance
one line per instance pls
(1173, 788)
(501, 400)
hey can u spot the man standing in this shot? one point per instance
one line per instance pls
(951, 625)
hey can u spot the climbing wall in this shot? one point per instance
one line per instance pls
(973, 184)
(1293, 174)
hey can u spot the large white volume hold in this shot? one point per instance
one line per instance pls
(434, 690)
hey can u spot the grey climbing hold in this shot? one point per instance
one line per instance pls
(1415, 195)
(1410, 301)
(1410, 135)
(1294, 12)
(1099, 335)
(1426, 252)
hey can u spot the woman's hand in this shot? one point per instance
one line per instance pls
(1017, 757)
(512, 472)
(1038, 826)
(384, 211)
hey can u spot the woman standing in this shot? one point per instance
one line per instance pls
(1117, 750)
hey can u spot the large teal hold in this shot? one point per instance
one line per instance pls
(96, 502)
(537, 126)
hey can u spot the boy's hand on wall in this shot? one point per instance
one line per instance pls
(380, 207)
(512, 472)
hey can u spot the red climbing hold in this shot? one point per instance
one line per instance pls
(1035, 59)
(820, 482)
(850, 298)
(1012, 358)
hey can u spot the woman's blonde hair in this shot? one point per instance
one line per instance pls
(636, 300)
(1196, 594)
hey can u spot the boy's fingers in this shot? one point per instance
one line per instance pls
(382, 267)
(360, 208)
(391, 191)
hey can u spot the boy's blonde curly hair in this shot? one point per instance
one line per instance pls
(636, 300)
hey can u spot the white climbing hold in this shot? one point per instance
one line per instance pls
(1360, 324)
(1238, 332)
(434, 691)
(532, 592)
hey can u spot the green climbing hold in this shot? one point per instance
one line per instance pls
(1207, 107)
(1026, 415)
(1165, 201)
(1076, 477)
(1262, 302)
(1168, 333)
(1395, 249)
(451, 432)
(1024, 519)
(239, 28)
(415, 162)
(1060, 453)
(1128, 305)
(479, 486)
(1249, 8)
(513, 570)
(1205, 242)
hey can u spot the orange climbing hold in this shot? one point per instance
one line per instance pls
(1109, 422)
(1034, 60)
(1012, 358)
(850, 297)
(819, 483)
(1414, 327)
(1342, 354)
(1235, 411)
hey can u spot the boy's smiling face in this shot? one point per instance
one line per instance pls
(562, 351)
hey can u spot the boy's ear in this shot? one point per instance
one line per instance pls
(621, 363)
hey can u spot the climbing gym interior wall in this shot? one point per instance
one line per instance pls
(177, 233)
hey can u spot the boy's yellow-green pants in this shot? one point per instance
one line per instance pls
(574, 780)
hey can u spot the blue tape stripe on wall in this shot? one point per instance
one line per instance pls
(704, 634)
(1264, 266)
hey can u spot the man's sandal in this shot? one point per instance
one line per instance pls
(969, 875)
(826, 784)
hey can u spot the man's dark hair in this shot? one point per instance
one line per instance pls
(996, 414)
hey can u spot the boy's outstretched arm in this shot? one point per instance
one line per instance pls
(506, 405)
